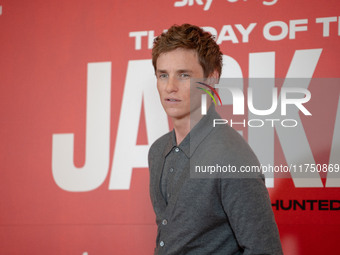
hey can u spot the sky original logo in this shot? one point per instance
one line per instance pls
(207, 3)
(183, 3)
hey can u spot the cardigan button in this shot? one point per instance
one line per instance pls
(161, 243)
(164, 222)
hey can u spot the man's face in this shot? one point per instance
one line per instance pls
(174, 70)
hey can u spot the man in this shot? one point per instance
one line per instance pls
(202, 215)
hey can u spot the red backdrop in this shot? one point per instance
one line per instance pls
(83, 68)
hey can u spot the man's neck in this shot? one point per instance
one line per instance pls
(182, 128)
(184, 125)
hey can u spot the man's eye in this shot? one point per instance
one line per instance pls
(163, 76)
(184, 75)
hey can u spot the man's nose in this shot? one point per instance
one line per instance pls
(172, 85)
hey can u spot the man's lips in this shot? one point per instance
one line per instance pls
(172, 100)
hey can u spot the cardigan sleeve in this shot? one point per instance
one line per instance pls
(246, 203)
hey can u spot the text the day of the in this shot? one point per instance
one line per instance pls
(241, 33)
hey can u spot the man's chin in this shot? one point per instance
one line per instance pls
(175, 114)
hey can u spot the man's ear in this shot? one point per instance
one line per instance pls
(213, 78)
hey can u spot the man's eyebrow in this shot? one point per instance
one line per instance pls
(184, 71)
(177, 71)
(161, 71)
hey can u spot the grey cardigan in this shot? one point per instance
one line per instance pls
(224, 215)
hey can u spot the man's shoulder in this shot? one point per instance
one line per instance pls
(159, 145)
(226, 144)
(227, 137)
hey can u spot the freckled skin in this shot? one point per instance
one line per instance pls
(174, 70)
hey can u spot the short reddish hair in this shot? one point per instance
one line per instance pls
(189, 36)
